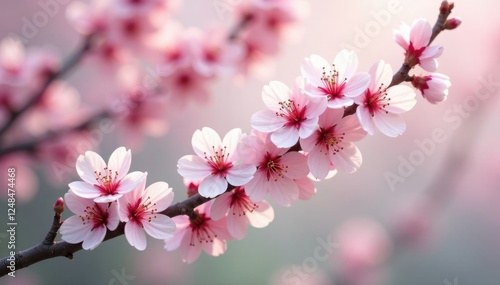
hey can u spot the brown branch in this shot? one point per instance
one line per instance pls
(35, 98)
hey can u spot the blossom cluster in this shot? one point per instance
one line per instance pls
(305, 134)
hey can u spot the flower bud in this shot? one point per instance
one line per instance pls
(452, 23)
(59, 205)
(444, 8)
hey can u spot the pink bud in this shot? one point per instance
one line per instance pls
(445, 7)
(452, 23)
(59, 205)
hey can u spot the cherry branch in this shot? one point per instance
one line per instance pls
(35, 98)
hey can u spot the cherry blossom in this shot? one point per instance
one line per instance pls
(434, 86)
(241, 211)
(105, 183)
(290, 115)
(331, 144)
(199, 233)
(140, 210)
(277, 169)
(380, 106)
(336, 82)
(90, 222)
(415, 40)
(215, 162)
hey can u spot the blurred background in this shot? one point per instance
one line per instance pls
(445, 207)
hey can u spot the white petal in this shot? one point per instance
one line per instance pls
(193, 167)
(381, 74)
(113, 218)
(119, 161)
(274, 93)
(285, 137)
(402, 99)
(159, 194)
(131, 181)
(389, 124)
(160, 227)
(346, 63)
(240, 174)
(94, 238)
(231, 141)
(365, 119)
(420, 33)
(266, 121)
(357, 85)
(84, 189)
(312, 69)
(341, 102)
(212, 186)
(205, 141)
(348, 159)
(73, 231)
(87, 164)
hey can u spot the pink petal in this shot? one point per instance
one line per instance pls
(250, 148)
(306, 188)
(348, 159)
(240, 174)
(429, 64)
(381, 74)
(285, 137)
(402, 36)
(352, 129)
(391, 125)
(319, 163)
(212, 186)
(84, 189)
(87, 164)
(193, 167)
(341, 102)
(220, 206)
(431, 52)
(119, 161)
(160, 226)
(309, 143)
(330, 117)
(315, 109)
(420, 33)
(261, 216)
(237, 226)
(181, 222)
(107, 198)
(284, 191)
(307, 127)
(357, 84)
(204, 142)
(258, 187)
(297, 165)
(135, 235)
(77, 204)
(266, 121)
(215, 248)
(189, 252)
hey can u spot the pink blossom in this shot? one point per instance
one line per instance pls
(140, 210)
(379, 106)
(415, 40)
(331, 144)
(277, 169)
(434, 86)
(183, 86)
(90, 222)
(307, 189)
(241, 211)
(290, 115)
(105, 183)
(337, 82)
(215, 162)
(199, 233)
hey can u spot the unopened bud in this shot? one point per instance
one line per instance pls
(445, 7)
(452, 23)
(192, 189)
(59, 205)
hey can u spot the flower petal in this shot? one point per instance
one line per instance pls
(266, 121)
(131, 181)
(135, 235)
(87, 164)
(120, 161)
(389, 124)
(160, 226)
(220, 206)
(193, 167)
(285, 137)
(94, 238)
(240, 174)
(205, 141)
(212, 186)
(84, 189)
(275, 93)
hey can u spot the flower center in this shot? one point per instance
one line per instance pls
(218, 161)
(332, 86)
(94, 215)
(292, 113)
(201, 230)
(412, 55)
(273, 168)
(330, 140)
(240, 203)
(106, 182)
(377, 101)
(137, 212)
